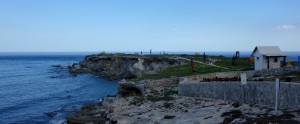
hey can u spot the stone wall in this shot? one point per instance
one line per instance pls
(200, 77)
(274, 72)
(258, 73)
(260, 93)
(165, 82)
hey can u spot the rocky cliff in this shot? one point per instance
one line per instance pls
(125, 66)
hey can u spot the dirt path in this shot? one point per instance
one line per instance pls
(211, 64)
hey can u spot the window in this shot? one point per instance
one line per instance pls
(275, 59)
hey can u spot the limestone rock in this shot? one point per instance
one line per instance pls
(118, 67)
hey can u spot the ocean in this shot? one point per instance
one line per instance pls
(33, 90)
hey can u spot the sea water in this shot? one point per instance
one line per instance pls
(33, 91)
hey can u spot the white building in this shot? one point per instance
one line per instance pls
(267, 57)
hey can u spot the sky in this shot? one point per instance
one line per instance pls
(140, 25)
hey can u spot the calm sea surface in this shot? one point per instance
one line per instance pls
(33, 91)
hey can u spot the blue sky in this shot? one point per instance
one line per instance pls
(160, 25)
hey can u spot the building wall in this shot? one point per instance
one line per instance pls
(260, 93)
(262, 62)
(258, 60)
(272, 63)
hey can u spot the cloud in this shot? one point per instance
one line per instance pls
(286, 27)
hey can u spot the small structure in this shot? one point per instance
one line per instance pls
(267, 57)
(237, 54)
(204, 57)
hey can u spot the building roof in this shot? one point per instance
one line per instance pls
(268, 51)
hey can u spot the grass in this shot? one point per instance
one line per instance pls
(182, 70)
(241, 64)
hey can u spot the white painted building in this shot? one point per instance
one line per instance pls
(267, 57)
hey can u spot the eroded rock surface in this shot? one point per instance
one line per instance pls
(163, 105)
(187, 110)
(118, 67)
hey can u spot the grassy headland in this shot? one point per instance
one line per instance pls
(224, 63)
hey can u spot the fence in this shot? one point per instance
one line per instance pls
(260, 93)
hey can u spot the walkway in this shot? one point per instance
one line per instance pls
(211, 64)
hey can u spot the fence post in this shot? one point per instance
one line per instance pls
(243, 83)
(276, 94)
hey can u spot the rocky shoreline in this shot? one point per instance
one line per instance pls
(118, 67)
(157, 101)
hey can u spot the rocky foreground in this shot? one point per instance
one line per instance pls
(160, 105)
(157, 101)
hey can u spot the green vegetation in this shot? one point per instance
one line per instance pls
(182, 70)
(119, 54)
(170, 91)
(103, 54)
(294, 75)
(186, 70)
(167, 95)
(154, 98)
(110, 54)
(241, 64)
(225, 63)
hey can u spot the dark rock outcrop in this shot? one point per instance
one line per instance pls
(118, 67)
(128, 88)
